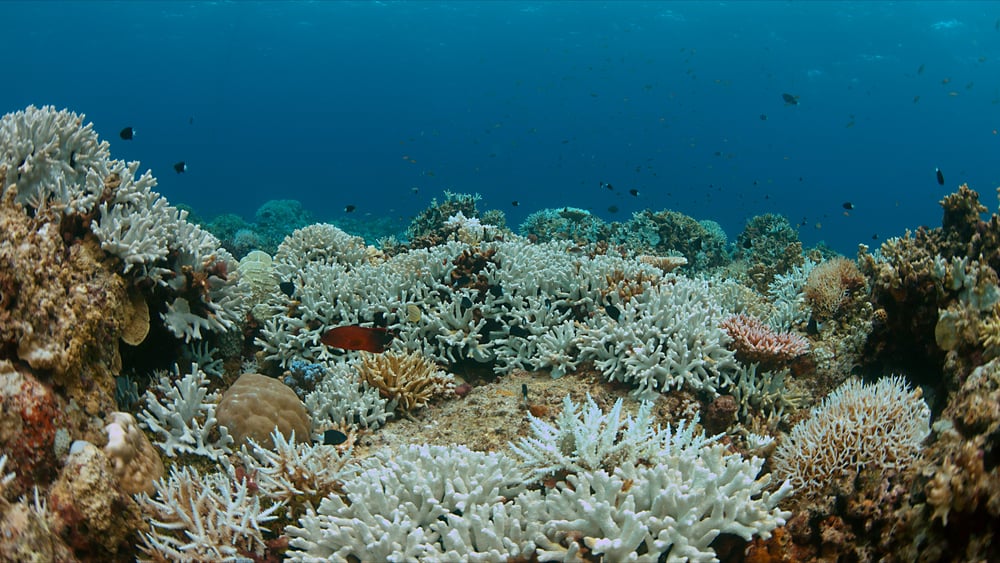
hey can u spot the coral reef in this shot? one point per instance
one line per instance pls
(204, 518)
(407, 380)
(430, 228)
(769, 246)
(755, 343)
(256, 405)
(185, 421)
(565, 223)
(832, 287)
(872, 427)
(666, 232)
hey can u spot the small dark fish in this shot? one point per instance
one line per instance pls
(72, 159)
(612, 312)
(790, 100)
(354, 337)
(612, 209)
(334, 438)
(940, 176)
(875, 236)
(415, 190)
(287, 287)
(634, 192)
(180, 167)
(515, 203)
(350, 208)
(847, 205)
(763, 117)
(748, 243)
(607, 185)
(524, 392)
(191, 120)
(921, 69)
(127, 133)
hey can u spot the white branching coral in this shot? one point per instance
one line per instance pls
(397, 505)
(185, 421)
(341, 400)
(877, 426)
(320, 243)
(672, 511)
(589, 439)
(53, 158)
(664, 499)
(204, 518)
(665, 337)
(290, 471)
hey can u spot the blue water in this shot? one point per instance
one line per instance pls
(337, 103)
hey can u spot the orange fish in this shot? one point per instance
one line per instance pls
(354, 337)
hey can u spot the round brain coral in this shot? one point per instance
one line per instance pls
(255, 404)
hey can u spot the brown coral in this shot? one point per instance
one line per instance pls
(831, 286)
(756, 343)
(62, 307)
(255, 404)
(408, 379)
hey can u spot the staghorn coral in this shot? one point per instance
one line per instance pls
(52, 159)
(832, 286)
(296, 474)
(875, 427)
(185, 421)
(755, 342)
(255, 405)
(585, 439)
(197, 517)
(407, 380)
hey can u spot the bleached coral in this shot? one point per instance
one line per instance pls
(53, 158)
(295, 472)
(397, 504)
(185, 421)
(878, 426)
(586, 438)
(341, 400)
(198, 517)
(665, 337)
(672, 511)
(660, 496)
(320, 243)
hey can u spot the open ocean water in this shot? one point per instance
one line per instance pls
(678, 105)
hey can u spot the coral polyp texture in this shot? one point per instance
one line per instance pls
(877, 427)
(756, 343)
